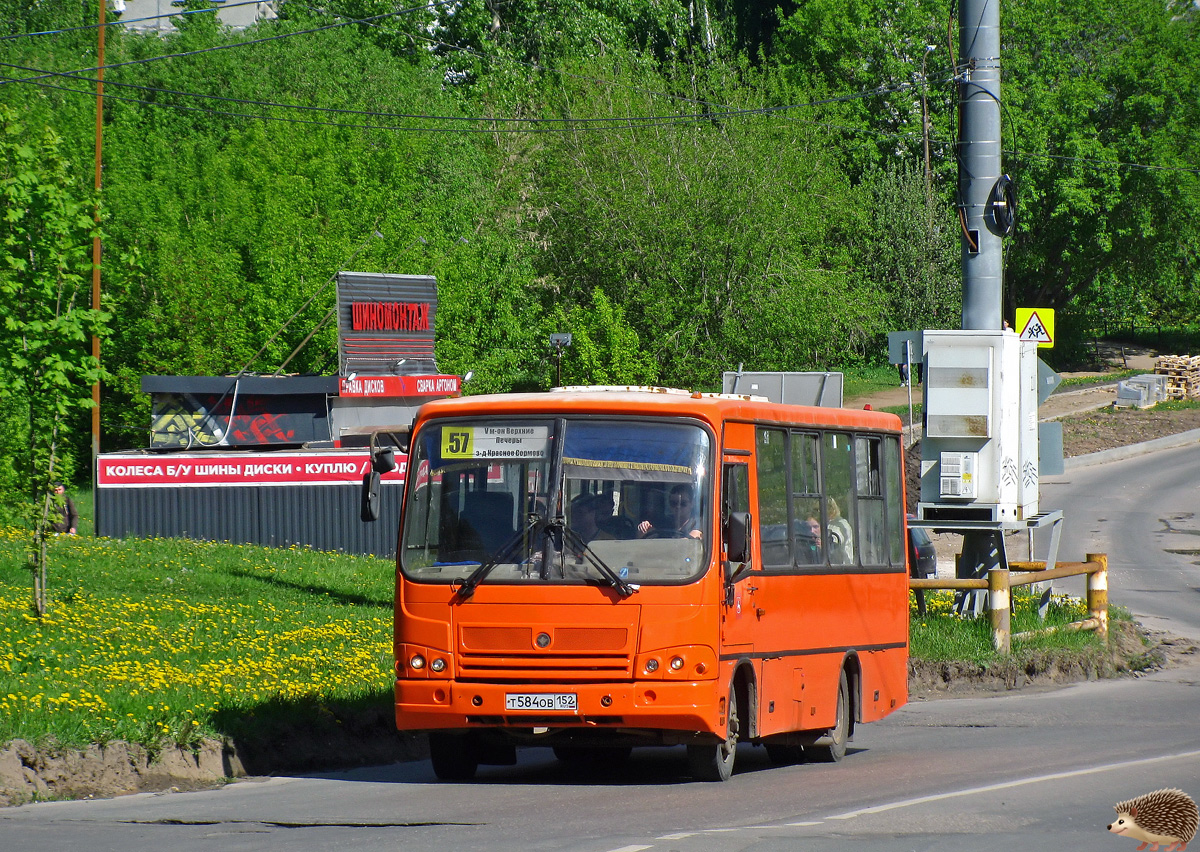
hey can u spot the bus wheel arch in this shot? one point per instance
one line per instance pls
(744, 685)
(714, 761)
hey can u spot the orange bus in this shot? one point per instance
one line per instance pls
(594, 569)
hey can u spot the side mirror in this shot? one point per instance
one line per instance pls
(370, 496)
(384, 460)
(737, 537)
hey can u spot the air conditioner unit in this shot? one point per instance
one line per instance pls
(958, 474)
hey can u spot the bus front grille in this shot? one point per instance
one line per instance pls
(544, 667)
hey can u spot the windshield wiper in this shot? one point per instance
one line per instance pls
(613, 578)
(480, 574)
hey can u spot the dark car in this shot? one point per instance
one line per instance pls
(922, 559)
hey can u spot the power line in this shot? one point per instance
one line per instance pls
(568, 124)
(619, 123)
(557, 124)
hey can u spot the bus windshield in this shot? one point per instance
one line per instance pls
(559, 500)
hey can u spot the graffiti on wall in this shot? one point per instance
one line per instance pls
(206, 420)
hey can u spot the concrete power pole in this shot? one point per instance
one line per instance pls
(980, 182)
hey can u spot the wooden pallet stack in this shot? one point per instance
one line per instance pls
(1183, 375)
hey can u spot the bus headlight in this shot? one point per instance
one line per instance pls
(416, 662)
(438, 665)
(683, 662)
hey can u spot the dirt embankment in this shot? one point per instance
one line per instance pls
(1131, 652)
(1105, 429)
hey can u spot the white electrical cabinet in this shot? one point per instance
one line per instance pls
(979, 450)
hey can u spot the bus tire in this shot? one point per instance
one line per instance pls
(832, 746)
(454, 756)
(714, 762)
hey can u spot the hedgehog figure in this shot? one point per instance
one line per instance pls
(1164, 816)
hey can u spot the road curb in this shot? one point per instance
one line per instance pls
(1118, 453)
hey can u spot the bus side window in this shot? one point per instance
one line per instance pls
(774, 536)
(892, 457)
(838, 458)
(806, 499)
(735, 492)
(872, 521)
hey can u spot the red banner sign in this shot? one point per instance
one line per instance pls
(194, 470)
(384, 386)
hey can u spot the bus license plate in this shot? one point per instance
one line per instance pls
(541, 701)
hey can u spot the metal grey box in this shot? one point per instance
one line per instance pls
(824, 389)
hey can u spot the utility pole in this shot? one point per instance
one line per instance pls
(96, 238)
(979, 174)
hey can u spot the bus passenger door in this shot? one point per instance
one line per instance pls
(738, 612)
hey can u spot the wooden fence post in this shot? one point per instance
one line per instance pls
(999, 605)
(1097, 592)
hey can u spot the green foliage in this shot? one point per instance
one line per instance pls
(911, 251)
(1108, 136)
(46, 370)
(684, 187)
(604, 349)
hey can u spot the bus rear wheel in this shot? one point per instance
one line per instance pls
(715, 762)
(455, 756)
(832, 747)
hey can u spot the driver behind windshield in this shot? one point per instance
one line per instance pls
(681, 521)
(583, 517)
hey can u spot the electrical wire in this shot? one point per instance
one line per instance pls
(560, 124)
(366, 113)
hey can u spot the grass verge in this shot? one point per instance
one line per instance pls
(941, 635)
(172, 641)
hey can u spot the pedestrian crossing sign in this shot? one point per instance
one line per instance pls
(1037, 326)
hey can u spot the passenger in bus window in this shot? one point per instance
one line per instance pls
(841, 535)
(808, 540)
(681, 517)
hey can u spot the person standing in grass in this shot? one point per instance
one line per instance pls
(68, 516)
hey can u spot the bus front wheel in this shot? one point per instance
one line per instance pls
(455, 756)
(715, 762)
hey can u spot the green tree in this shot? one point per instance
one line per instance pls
(1105, 124)
(911, 250)
(723, 239)
(604, 349)
(46, 372)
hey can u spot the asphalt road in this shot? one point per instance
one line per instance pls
(1144, 512)
(1020, 770)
